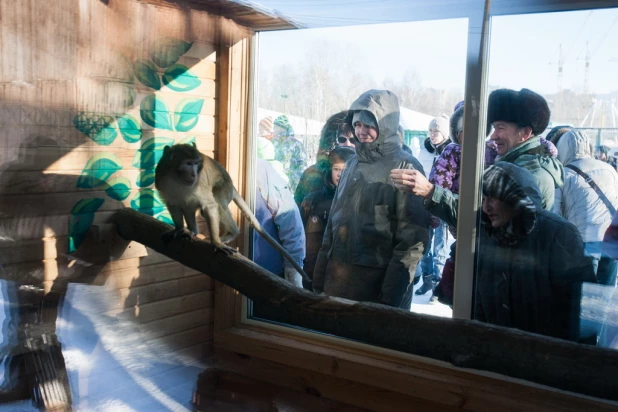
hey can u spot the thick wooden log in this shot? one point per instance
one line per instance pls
(463, 343)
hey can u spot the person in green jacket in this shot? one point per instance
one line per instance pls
(518, 118)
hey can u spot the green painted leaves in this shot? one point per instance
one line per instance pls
(187, 114)
(151, 152)
(146, 178)
(98, 169)
(80, 221)
(167, 51)
(130, 129)
(98, 127)
(148, 201)
(154, 112)
(180, 79)
(119, 188)
(146, 73)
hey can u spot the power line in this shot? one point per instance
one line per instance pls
(605, 36)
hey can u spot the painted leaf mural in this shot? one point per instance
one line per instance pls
(151, 152)
(146, 73)
(187, 114)
(166, 51)
(100, 128)
(129, 128)
(119, 188)
(164, 217)
(179, 78)
(188, 140)
(148, 201)
(156, 143)
(80, 220)
(98, 169)
(155, 112)
(145, 178)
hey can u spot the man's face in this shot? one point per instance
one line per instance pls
(365, 133)
(435, 136)
(345, 140)
(498, 212)
(336, 172)
(507, 135)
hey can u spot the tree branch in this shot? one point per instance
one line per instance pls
(463, 343)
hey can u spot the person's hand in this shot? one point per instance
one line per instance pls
(292, 276)
(412, 181)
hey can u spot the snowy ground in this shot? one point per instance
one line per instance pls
(112, 369)
(111, 366)
(420, 304)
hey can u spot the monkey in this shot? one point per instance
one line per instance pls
(189, 181)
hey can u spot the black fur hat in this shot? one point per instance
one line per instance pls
(524, 108)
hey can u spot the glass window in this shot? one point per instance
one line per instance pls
(313, 151)
(550, 186)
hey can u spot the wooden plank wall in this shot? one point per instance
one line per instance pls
(67, 71)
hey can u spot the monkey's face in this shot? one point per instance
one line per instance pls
(189, 171)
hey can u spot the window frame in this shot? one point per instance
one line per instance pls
(330, 355)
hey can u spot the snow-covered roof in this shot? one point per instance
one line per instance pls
(413, 120)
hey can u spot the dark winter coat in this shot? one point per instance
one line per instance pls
(372, 225)
(530, 275)
(314, 212)
(312, 180)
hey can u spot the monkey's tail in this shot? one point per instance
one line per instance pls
(246, 210)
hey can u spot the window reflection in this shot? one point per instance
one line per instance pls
(549, 193)
(357, 119)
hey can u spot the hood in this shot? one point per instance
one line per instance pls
(516, 187)
(384, 106)
(573, 145)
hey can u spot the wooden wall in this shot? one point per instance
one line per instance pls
(90, 92)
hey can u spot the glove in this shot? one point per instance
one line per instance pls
(292, 276)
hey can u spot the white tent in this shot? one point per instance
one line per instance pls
(413, 120)
(302, 126)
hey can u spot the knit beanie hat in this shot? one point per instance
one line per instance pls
(283, 122)
(440, 124)
(266, 126)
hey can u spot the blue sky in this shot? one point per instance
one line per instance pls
(522, 47)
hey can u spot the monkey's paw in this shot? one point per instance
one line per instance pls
(227, 250)
(173, 234)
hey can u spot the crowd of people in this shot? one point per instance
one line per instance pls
(367, 221)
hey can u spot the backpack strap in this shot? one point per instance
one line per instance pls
(588, 179)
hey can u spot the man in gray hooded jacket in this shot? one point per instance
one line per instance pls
(373, 227)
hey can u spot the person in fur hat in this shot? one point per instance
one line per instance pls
(518, 118)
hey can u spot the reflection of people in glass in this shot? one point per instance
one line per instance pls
(518, 118)
(372, 226)
(433, 261)
(335, 132)
(531, 262)
(316, 206)
(289, 151)
(589, 209)
(277, 213)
